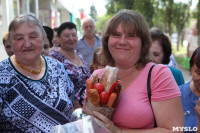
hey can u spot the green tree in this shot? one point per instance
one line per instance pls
(165, 14)
(145, 7)
(101, 22)
(165, 8)
(93, 12)
(113, 6)
(169, 9)
(198, 21)
(180, 18)
(159, 19)
(78, 23)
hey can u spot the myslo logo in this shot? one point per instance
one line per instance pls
(184, 128)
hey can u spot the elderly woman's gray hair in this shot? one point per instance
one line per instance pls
(29, 19)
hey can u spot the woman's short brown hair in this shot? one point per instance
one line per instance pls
(132, 22)
(194, 60)
(164, 42)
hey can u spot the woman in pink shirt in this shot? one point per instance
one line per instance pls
(126, 45)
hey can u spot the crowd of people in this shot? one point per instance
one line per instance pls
(44, 78)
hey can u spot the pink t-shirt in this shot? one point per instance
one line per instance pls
(134, 110)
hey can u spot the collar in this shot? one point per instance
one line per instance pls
(94, 35)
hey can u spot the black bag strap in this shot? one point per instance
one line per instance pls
(149, 89)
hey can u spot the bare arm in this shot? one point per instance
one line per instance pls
(84, 104)
(168, 114)
(76, 104)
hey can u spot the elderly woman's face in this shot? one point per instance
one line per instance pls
(196, 77)
(46, 46)
(157, 52)
(125, 48)
(27, 41)
(68, 39)
(55, 39)
(8, 48)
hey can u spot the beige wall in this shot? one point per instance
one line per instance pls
(64, 16)
(11, 8)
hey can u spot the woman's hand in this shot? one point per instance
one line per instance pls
(76, 104)
(107, 123)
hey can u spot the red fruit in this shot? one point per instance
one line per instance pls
(99, 87)
(113, 87)
(104, 96)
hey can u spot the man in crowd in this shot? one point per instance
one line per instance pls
(89, 42)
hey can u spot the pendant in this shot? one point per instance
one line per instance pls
(28, 77)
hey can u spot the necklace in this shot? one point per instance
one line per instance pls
(77, 62)
(29, 70)
(133, 70)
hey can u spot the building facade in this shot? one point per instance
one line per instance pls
(50, 12)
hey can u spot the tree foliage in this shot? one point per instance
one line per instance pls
(198, 21)
(180, 17)
(93, 12)
(145, 7)
(113, 6)
(102, 22)
(168, 15)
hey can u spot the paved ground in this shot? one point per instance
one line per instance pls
(186, 73)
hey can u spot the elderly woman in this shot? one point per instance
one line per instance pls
(7, 44)
(126, 45)
(162, 50)
(47, 40)
(34, 90)
(73, 62)
(190, 92)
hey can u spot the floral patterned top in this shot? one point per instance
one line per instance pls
(78, 74)
(34, 106)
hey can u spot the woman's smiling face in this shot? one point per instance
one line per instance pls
(157, 52)
(124, 47)
(68, 39)
(27, 42)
